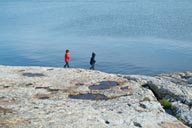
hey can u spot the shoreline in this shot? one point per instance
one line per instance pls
(60, 67)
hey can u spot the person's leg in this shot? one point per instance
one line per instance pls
(65, 65)
(93, 66)
(68, 64)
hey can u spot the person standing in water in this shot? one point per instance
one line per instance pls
(92, 61)
(67, 59)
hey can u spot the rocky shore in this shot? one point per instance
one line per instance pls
(46, 97)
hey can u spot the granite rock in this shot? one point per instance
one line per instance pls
(174, 87)
(47, 97)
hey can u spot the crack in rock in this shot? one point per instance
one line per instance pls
(33, 74)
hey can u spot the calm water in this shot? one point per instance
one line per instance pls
(129, 36)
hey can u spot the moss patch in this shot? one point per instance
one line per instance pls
(166, 104)
(146, 99)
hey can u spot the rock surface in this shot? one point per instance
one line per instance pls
(174, 87)
(45, 97)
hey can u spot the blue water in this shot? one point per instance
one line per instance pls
(128, 36)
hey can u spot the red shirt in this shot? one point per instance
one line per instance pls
(67, 57)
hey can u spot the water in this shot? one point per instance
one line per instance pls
(128, 36)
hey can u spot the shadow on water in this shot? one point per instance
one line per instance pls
(33, 74)
(104, 85)
(89, 96)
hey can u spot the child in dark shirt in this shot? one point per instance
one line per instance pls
(92, 61)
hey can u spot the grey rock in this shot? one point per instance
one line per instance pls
(184, 112)
(174, 87)
(33, 97)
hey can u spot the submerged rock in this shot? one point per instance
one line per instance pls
(69, 98)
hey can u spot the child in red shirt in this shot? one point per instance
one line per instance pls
(67, 59)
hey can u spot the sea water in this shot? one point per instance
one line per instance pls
(128, 36)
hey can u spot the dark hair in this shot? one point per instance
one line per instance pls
(67, 51)
(93, 54)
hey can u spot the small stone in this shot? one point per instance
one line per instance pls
(120, 112)
(137, 124)
(107, 122)
(143, 105)
(29, 84)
